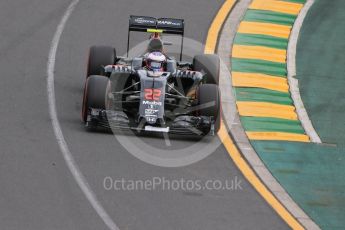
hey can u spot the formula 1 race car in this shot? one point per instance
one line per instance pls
(152, 92)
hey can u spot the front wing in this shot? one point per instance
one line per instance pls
(181, 125)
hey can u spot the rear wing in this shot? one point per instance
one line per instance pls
(165, 25)
(156, 25)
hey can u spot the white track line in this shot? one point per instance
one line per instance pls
(73, 167)
(293, 82)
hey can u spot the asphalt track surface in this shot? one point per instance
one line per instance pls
(37, 189)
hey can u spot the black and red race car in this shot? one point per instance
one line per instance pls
(124, 93)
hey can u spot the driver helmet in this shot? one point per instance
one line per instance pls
(155, 61)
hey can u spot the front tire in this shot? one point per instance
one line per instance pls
(100, 56)
(95, 92)
(208, 96)
(210, 65)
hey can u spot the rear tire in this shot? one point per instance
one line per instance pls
(100, 56)
(206, 94)
(95, 91)
(210, 64)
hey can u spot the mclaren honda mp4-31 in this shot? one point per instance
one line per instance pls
(152, 92)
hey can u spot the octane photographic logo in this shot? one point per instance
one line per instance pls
(164, 150)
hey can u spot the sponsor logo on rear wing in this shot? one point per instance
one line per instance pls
(170, 23)
(141, 21)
